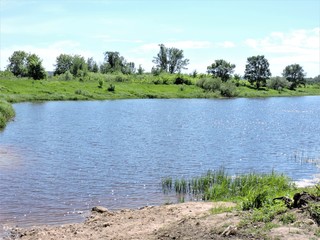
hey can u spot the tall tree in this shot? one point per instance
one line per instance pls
(23, 64)
(79, 66)
(221, 68)
(257, 70)
(114, 62)
(63, 64)
(294, 73)
(92, 65)
(35, 68)
(161, 60)
(128, 68)
(170, 59)
(18, 64)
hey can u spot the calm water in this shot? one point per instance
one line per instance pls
(58, 159)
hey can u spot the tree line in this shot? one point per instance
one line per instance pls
(169, 60)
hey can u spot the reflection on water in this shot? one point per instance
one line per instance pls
(10, 157)
(58, 159)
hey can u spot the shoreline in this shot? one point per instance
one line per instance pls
(190, 220)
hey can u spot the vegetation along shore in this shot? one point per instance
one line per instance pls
(252, 206)
(77, 78)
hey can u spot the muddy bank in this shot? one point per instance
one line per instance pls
(192, 220)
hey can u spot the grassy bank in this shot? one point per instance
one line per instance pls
(6, 113)
(255, 195)
(101, 87)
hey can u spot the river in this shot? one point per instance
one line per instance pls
(58, 159)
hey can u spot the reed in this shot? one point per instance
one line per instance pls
(252, 190)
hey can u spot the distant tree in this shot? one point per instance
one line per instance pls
(170, 59)
(257, 70)
(114, 62)
(221, 68)
(316, 79)
(104, 67)
(79, 66)
(35, 68)
(128, 68)
(63, 64)
(161, 60)
(23, 64)
(194, 73)
(92, 65)
(18, 64)
(294, 73)
(140, 70)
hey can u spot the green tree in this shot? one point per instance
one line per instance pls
(35, 68)
(140, 70)
(63, 64)
(92, 65)
(114, 62)
(170, 59)
(128, 68)
(23, 64)
(79, 66)
(221, 68)
(294, 73)
(257, 70)
(18, 64)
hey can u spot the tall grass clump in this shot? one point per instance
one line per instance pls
(252, 190)
(6, 113)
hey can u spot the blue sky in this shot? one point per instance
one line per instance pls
(285, 31)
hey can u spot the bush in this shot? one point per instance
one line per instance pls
(228, 89)
(100, 83)
(181, 80)
(7, 74)
(111, 88)
(278, 83)
(6, 113)
(209, 84)
(67, 76)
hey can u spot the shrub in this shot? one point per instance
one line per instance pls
(67, 76)
(111, 88)
(6, 113)
(228, 89)
(100, 83)
(278, 83)
(212, 84)
(181, 80)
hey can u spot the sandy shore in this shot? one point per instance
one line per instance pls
(192, 220)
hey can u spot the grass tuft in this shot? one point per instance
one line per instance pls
(251, 190)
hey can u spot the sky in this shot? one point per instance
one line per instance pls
(284, 31)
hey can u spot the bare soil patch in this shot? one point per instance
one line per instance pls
(191, 220)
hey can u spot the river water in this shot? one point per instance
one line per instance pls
(58, 159)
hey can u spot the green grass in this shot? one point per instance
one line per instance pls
(29, 90)
(6, 113)
(249, 92)
(250, 191)
(97, 86)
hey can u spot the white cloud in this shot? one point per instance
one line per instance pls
(227, 44)
(283, 48)
(108, 38)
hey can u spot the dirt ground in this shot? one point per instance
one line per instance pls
(192, 220)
